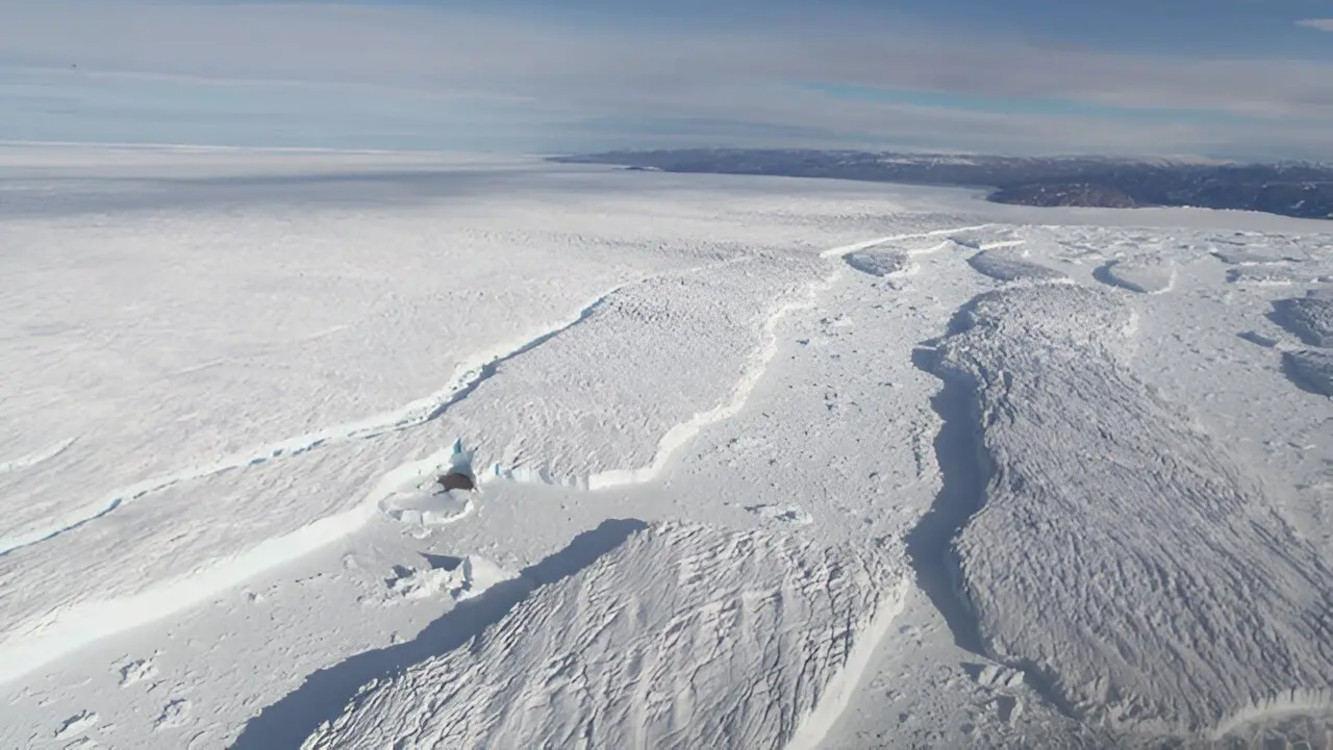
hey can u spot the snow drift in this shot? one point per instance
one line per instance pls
(1171, 595)
(683, 637)
(1309, 317)
(605, 424)
(1006, 265)
(1146, 275)
(1311, 369)
(880, 262)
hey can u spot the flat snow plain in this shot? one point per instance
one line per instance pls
(758, 462)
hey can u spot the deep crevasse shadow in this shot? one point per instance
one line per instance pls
(965, 469)
(962, 488)
(325, 693)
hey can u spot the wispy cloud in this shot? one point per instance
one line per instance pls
(543, 84)
(1323, 24)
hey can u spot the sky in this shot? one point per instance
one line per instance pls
(1242, 79)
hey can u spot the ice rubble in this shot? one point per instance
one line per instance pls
(1277, 275)
(431, 501)
(684, 636)
(468, 577)
(1309, 317)
(1170, 594)
(1311, 369)
(1246, 256)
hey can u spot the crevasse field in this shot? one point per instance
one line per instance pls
(758, 462)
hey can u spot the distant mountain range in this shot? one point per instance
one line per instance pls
(1299, 189)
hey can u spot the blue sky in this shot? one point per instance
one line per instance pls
(1232, 78)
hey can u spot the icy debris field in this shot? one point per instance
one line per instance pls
(1311, 369)
(361, 450)
(1310, 317)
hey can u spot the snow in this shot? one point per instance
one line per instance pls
(1151, 275)
(1010, 266)
(1276, 276)
(1245, 256)
(928, 497)
(1070, 441)
(880, 263)
(76, 725)
(640, 649)
(1309, 317)
(1311, 369)
(137, 671)
(460, 579)
(704, 327)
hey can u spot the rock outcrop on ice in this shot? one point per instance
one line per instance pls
(683, 637)
(1006, 265)
(1119, 557)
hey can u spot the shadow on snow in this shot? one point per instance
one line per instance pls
(325, 693)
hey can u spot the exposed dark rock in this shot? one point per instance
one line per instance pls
(1066, 194)
(456, 481)
(1291, 189)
